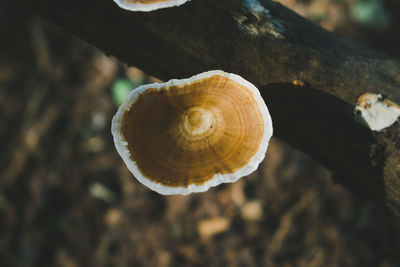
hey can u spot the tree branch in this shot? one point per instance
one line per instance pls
(270, 46)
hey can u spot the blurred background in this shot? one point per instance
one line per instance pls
(66, 199)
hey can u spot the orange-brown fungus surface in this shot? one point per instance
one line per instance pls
(184, 135)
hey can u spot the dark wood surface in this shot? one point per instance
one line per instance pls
(271, 47)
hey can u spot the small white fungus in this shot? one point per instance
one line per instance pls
(378, 112)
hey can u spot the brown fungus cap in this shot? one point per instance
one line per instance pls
(188, 135)
(148, 5)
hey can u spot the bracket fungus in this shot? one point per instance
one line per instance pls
(188, 135)
(377, 111)
(148, 5)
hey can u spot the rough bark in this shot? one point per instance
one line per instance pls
(270, 46)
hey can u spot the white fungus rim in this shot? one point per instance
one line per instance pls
(218, 178)
(148, 7)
